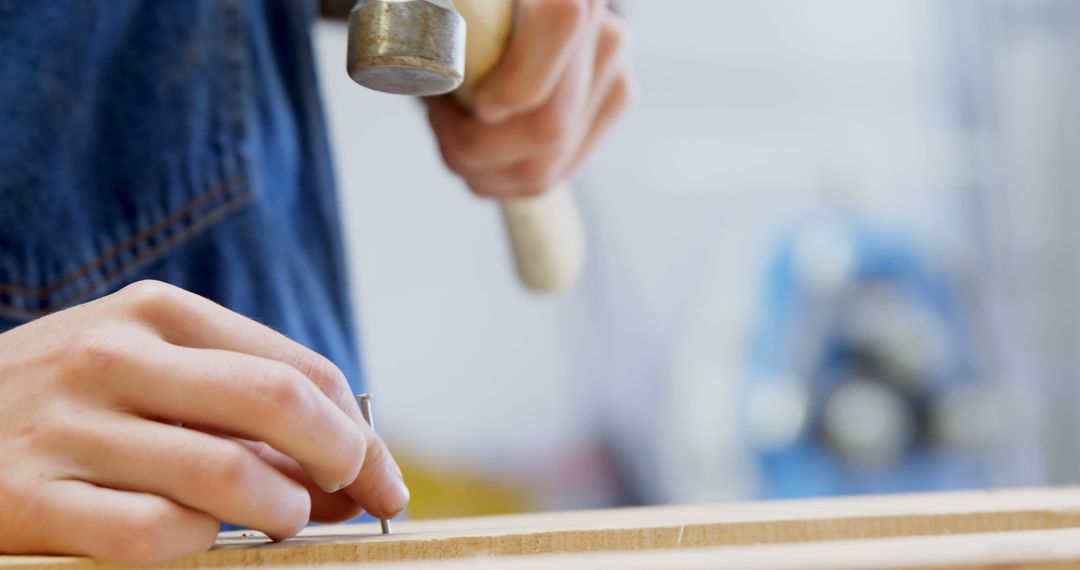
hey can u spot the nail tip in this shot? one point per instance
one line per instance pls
(333, 487)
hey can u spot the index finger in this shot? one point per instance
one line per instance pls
(540, 48)
(188, 320)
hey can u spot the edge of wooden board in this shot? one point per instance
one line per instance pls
(1043, 549)
(646, 528)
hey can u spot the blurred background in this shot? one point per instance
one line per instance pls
(832, 251)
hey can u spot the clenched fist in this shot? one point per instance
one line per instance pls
(562, 82)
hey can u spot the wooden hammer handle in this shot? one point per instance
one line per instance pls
(546, 233)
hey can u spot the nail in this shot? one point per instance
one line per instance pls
(365, 410)
(332, 487)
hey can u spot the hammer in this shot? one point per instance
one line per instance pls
(422, 48)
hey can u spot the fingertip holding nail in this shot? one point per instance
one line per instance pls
(396, 498)
(285, 535)
(297, 511)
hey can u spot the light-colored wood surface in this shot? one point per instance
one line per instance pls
(648, 529)
(1036, 550)
(547, 235)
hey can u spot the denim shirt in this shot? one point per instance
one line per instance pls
(179, 140)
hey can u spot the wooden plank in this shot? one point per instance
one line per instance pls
(1036, 550)
(646, 528)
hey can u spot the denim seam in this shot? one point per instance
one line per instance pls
(177, 224)
(126, 254)
(133, 242)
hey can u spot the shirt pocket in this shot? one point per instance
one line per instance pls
(119, 143)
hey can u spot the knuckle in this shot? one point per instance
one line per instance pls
(142, 536)
(551, 128)
(317, 367)
(148, 292)
(280, 391)
(229, 470)
(150, 300)
(96, 348)
(323, 373)
(229, 466)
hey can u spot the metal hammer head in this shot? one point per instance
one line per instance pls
(408, 47)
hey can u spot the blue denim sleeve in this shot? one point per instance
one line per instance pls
(180, 140)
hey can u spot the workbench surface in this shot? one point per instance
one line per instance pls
(998, 523)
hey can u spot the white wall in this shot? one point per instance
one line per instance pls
(750, 113)
(463, 362)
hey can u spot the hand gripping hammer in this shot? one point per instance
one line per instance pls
(422, 48)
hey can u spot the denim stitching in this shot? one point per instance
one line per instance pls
(124, 246)
(100, 282)
(176, 227)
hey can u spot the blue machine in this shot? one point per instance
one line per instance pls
(861, 374)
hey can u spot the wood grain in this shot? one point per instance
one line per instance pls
(1036, 550)
(646, 529)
